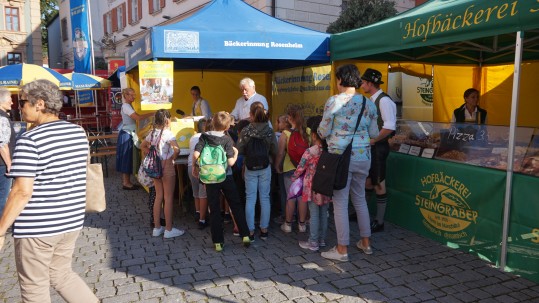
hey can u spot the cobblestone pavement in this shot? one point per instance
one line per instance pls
(122, 262)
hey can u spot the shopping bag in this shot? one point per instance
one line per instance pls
(95, 189)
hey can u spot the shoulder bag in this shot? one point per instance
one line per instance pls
(95, 188)
(332, 169)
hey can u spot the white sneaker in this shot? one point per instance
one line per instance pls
(287, 228)
(367, 250)
(309, 245)
(158, 231)
(333, 254)
(174, 232)
(302, 227)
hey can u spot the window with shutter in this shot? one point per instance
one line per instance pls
(114, 19)
(123, 16)
(120, 17)
(139, 9)
(130, 11)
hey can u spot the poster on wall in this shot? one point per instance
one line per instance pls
(309, 87)
(156, 84)
(414, 93)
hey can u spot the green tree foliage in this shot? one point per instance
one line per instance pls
(49, 10)
(359, 13)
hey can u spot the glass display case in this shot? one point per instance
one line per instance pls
(480, 145)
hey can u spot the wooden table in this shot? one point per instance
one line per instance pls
(101, 148)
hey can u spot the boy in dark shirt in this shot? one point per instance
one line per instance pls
(221, 122)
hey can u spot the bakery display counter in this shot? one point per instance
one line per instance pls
(478, 145)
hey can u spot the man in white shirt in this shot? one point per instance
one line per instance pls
(387, 123)
(243, 104)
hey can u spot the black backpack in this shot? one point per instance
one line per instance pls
(256, 154)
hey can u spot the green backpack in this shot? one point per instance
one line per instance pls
(213, 164)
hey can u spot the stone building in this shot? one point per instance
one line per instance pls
(20, 32)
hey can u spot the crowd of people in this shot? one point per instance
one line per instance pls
(258, 164)
(262, 164)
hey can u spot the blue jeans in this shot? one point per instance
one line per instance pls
(5, 187)
(258, 180)
(319, 221)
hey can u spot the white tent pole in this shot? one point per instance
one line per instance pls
(511, 149)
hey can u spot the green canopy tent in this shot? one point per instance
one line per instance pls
(446, 31)
(454, 32)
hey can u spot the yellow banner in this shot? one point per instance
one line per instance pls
(308, 86)
(156, 84)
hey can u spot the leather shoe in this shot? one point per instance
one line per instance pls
(375, 227)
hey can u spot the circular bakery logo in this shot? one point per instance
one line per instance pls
(424, 89)
(443, 205)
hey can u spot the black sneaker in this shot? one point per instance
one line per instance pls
(202, 225)
(263, 235)
(252, 238)
(375, 227)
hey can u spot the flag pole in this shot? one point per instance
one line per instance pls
(92, 62)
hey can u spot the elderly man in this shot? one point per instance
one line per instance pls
(7, 143)
(48, 198)
(250, 96)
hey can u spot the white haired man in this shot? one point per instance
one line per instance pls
(250, 96)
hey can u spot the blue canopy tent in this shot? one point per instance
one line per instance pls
(231, 35)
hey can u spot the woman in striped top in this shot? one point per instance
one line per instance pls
(48, 198)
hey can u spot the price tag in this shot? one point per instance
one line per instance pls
(404, 148)
(499, 150)
(415, 151)
(428, 153)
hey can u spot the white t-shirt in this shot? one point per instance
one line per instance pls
(243, 107)
(164, 148)
(192, 143)
(128, 123)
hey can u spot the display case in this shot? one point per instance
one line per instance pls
(479, 145)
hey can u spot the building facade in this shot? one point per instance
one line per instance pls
(20, 32)
(116, 24)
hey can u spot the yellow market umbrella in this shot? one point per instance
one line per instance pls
(17, 75)
(81, 81)
(85, 82)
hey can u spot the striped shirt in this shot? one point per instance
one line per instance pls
(55, 155)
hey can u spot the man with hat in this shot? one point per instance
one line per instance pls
(387, 121)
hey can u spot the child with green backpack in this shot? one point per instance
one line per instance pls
(214, 154)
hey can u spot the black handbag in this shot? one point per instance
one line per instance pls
(332, 169)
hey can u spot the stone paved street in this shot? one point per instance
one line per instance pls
(117, 256)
